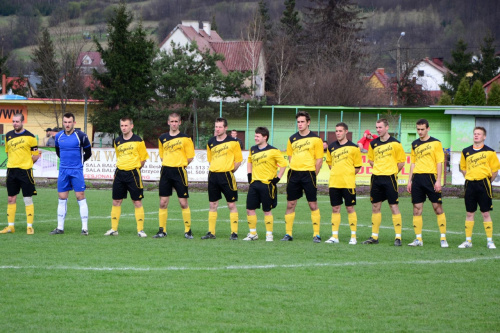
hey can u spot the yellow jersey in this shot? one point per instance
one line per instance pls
(130, 153)
(479, 164)
(426, 155)
(304, 151)
(265, 163)
(386, 156)
(20, 147)
(175, 150)
(343, 159)
(223, 154)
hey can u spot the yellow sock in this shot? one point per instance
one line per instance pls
(30, 214)
(417, 226)
(139, 218)
(212, 221)
(376, 221)
(352, 218)
(316, 219)
(441, 220)
(162, 218)
(233, 219)
(335, 224)
(289, 218)
(252, 224)
(116, 211)
(469, 226)
(11, 213)
(186, 217)
(398, 224)
(488, 228)
(269, 221)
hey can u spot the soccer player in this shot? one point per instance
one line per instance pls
(305, 156)
(479, 165)
(427, 159)
(344, 160)
(73, 149)
(131, 155)
(387, 158)
(263, 163)
(22, 151)
(224, 156)
(176, 152)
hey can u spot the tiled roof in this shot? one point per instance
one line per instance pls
(238, 54)
(496, 78)
(440, 68)
(94, 56)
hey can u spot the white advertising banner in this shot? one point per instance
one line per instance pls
(457, 178)
(102, 165)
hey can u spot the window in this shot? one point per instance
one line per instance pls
(420, 73)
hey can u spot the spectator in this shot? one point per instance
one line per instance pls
(325, 146)
(364, 142)
(49, 138)
(234, 134)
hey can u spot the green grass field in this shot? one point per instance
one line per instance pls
(72, 283)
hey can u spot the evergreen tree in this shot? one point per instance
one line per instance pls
(213, 24)
(488, 64)
(334, 28)
(476, 94)
(265, 20)
(290, 19)
(185, 76)
(46, 66)
(460, 65)
(462, 95)
(494, 95)
(126, 87)
(445, 99)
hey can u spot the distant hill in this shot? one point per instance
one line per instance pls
(431, 27)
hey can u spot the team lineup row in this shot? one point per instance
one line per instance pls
(265, 167)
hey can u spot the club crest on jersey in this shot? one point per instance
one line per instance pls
(375, 145)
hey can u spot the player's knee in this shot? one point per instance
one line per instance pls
(28, 201)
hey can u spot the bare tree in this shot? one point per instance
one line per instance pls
(282, 59)
(253, 47)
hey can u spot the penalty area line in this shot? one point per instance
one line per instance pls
(248, 267)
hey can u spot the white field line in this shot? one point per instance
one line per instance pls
(246, 267)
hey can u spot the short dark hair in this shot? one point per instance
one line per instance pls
(233, 130)
(19, 114)
(263, 131)
(127, 118)
(481, 129)
(423, 122)
(221, 120)
(69, 115)
(303, 114)
(342, 124)
(383, 120)
(174, 115)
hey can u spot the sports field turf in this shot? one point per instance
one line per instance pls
(73, 283)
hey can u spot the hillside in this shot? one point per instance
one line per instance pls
(432, 27)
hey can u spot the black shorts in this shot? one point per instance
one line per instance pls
(299, 181)
(173, 177)
(222, 182)
(262, 193)
(478, 192)
(337, 194)
(422, 186)
(130, 181)
(18, 179)
(384, 188)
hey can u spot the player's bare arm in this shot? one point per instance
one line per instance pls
(400, 166)
(236, 166)
(142, 164)
(356, 170)
(319, 163)
(410, 177)
(281, 172)
(437, 185)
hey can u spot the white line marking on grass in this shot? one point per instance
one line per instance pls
(245, 267)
